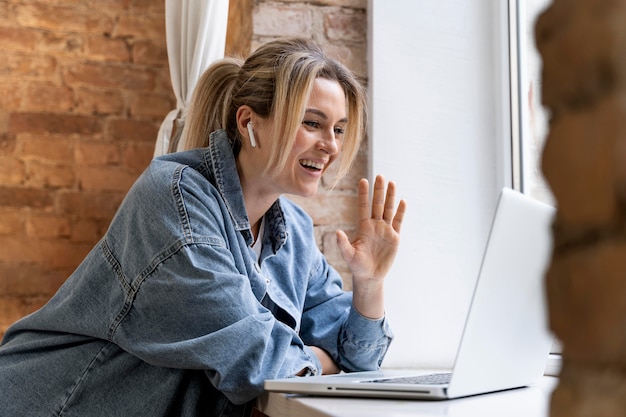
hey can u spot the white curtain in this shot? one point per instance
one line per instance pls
(196, 36)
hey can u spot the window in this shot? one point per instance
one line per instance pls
(443, 118)
(533, 117)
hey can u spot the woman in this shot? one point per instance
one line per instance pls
(207, 281)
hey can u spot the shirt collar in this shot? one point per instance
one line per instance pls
(221, 163)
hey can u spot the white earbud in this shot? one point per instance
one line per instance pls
(251, 134)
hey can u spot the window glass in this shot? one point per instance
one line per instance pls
(534, 117)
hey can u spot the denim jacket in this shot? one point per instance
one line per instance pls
(172, 313)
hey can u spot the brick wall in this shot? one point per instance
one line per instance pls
(582, 45)
(82, 94)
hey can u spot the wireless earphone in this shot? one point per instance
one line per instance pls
(251, 134)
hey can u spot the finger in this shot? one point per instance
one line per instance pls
(363, 200)
(399, 217)
(378, 199)
(390, 202)
(344, 245)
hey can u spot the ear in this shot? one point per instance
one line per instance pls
(244, 115)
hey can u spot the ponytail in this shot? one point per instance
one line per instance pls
(211, 103)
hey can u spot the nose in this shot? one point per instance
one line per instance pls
(329, 143)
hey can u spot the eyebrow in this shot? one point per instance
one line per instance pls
(323, 115)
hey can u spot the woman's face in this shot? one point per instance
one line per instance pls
(318, 140)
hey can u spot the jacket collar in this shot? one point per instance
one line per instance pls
(222, 167)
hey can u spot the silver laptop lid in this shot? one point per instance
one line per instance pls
(506, 341)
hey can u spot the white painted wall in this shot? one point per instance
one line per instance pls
(440, 128)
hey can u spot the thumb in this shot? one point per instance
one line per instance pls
(345, 247)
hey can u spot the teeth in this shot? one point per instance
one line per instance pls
(311, 164)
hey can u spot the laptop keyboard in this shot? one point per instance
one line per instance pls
(430, 379)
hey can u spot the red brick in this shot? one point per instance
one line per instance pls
(48, 97)
(108, 49)
(141, 26)
(11, 222)
(7, 14)
(148, 6)
(4, 124)
(25, 197)
(105, 178)
(12, 171)
(88, 231)
(49, 147)
(25, 66)
(62, 44)
(99, 102)
(7, 141)
(137, 156)
(18, 39)
(97, 153)
(57, 254)
(46, 226)
(50, 175)
(278, 20)
(132, 130)
(110, 6)
(54, 123)
(151, 106)
(90, 204)
(346, 27)
(109, 75)
(12, 96)
(149, 53)
(63, 18)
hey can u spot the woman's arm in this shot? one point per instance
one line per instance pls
(194, 314)
(364, 336)
(328, 364)
(372, 250)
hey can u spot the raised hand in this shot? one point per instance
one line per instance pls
(373, 248)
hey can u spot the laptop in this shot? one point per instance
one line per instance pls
(505, 342)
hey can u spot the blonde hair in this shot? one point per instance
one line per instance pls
(275, 81)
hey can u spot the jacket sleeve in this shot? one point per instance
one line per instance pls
(329, 321)
(193, 314)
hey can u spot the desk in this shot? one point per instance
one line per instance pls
(523, 402)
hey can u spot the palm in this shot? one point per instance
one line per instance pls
(372, 250)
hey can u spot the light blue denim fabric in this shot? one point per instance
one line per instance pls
(164, 316)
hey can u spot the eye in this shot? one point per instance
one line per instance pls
(311, 123)
(339, 131)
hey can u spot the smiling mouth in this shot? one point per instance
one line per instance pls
(311, 165)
